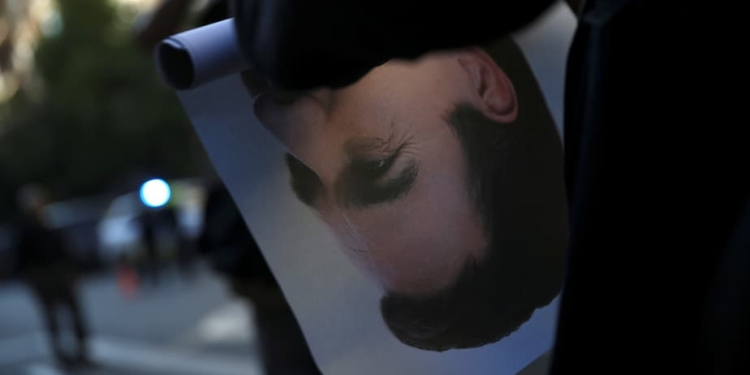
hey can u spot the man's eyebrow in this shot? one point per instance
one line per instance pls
(305, 183)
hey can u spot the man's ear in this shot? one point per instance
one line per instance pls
(494, 92)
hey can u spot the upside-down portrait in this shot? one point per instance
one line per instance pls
(442, 180)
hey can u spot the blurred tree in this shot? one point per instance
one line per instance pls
(101, 114)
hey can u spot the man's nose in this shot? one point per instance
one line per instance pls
(324, 98)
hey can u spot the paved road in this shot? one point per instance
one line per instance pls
(177, 327)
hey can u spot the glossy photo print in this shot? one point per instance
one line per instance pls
(416, 219)
(442, 180)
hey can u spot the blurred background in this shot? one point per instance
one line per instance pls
(85, 120)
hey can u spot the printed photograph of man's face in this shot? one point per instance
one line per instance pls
(442, 180)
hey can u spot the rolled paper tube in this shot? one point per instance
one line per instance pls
(192, 58)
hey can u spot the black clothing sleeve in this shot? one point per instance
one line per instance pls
(303, 44)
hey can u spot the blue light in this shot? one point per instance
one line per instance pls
(155, 193)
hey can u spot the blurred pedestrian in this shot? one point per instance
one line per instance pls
(49, 269)
(185, 246)
(149, 223)
(156, 224)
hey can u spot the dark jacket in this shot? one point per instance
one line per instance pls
(227, 243)
(44, 260)
(38, 246)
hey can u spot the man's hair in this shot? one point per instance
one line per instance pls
(515, 181)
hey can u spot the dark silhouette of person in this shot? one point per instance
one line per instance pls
(49, 269)
(153, 221)
(232, 252)
(147, 222)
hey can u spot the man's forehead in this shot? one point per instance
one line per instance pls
(358, 145)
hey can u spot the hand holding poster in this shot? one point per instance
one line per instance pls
(417, 211)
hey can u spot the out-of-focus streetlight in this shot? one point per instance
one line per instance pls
(155, 193)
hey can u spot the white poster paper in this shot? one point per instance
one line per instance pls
(425, 230)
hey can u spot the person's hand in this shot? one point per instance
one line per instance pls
(305, 44)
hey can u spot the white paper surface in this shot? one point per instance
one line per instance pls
(336, 305)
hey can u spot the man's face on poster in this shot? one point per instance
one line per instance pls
(383, 165)
(391, 175)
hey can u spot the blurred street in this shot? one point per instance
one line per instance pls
(180, 326)
(102, 173)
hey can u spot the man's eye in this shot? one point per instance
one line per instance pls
(376, 166)
(374, 169)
